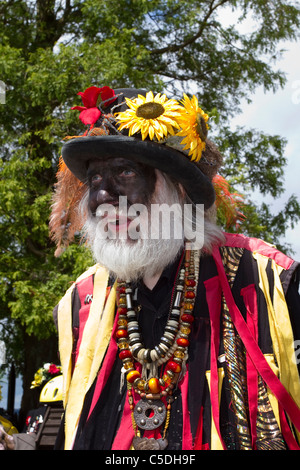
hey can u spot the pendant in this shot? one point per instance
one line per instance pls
(149, 414)
(143, 443)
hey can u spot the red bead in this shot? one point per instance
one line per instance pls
(124, 354)
(174, 366)
(189, 294)
(190, 282)
(122, 290)
(186, 317)
(183, 342)
(122, 311)
(121, 334)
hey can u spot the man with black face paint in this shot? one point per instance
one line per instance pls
(178, 339)
(118, 177)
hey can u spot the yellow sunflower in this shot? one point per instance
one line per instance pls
(193, 123)
(153, 116)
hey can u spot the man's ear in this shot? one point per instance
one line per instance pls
(181, 190)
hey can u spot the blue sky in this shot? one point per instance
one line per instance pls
(276, 114)
(279, 114)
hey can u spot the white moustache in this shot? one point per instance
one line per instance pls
(112, 212)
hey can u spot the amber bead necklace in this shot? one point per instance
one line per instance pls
(171, 351)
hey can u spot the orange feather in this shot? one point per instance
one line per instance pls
(229, 203)
(65, 219)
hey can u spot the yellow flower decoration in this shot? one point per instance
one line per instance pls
(193, 123)
(153, 116)
(38, 378)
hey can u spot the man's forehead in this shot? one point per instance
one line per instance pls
(114, 162)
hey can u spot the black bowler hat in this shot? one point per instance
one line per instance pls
(120, 126)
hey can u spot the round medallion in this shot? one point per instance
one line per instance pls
(149, 414)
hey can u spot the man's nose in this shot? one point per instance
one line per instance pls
(107, 192)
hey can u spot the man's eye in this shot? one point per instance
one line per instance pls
(95, 179)
(127, 173)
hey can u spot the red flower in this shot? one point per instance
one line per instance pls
(27, 420)
(53, 369)
(91, 98)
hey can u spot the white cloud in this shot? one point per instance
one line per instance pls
(279, 113)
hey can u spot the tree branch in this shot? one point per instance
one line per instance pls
(178, 47)
(33, 249)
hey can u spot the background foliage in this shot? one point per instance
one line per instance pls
(50, 50)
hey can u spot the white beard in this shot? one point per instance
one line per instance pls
(134, 261)
(130, 260)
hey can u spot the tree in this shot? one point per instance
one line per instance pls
(50, 50)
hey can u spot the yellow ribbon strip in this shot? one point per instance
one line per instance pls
(272, 398)
(216, 443)
(65, 333)
(280, 328)
(95, 339)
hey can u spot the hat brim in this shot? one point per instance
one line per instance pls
(77, 152)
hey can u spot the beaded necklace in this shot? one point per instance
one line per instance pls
(171, 352)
